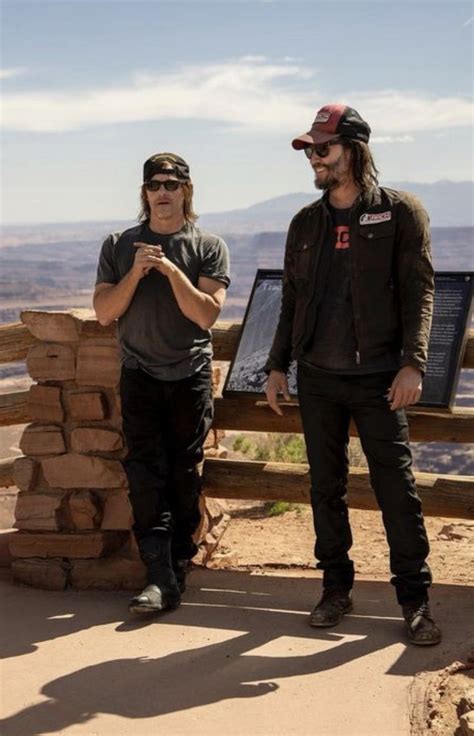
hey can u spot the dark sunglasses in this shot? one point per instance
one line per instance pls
(171, 185)
(320, 149)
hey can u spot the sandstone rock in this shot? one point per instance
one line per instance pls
(40, 439)
(37, 511)
(44, 404)
(52, 326)
(49, 362)
(216, 379)
(112, 573)
(92, 328)
(223, 560)
(117, 512)
(25, 473)
(219, 452)
(85, 545)
(86, 407)
(467, 701)
(83, 471)
(83, 511)
(97, 365)
(93, 439)
(214, 522)
(49, 574)
(466, 723)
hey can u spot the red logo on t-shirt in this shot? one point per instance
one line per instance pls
(342, 237)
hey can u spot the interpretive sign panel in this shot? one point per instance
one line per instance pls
(451, 318)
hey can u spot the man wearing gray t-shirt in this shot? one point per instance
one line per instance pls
(165, 282)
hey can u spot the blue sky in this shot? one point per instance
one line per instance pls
(90, 89)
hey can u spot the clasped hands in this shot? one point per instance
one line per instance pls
(148, 257)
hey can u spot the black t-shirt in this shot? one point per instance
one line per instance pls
(153, 332)
(334, 344)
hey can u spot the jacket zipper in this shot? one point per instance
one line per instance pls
(353, 280)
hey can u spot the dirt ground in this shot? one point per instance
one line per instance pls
(254, 540)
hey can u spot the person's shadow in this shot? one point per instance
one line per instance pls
(255, 612)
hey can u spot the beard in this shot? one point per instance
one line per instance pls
(333, 174)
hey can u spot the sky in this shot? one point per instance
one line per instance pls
(91, 88)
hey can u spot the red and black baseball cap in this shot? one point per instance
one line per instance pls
(166, 163)
(331, 121)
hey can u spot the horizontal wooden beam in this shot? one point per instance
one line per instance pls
(246, 414)
(6, 472)
(442, 495)
(14, 408)
(15, 339)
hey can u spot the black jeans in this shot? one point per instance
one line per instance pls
(327, 403)
(165, 424)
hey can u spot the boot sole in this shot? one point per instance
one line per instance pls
(318, 625)
(144, 609)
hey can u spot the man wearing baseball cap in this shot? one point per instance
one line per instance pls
(165, 282)
(356, 312)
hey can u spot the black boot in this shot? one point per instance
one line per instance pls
(180, 568)
(162, 592)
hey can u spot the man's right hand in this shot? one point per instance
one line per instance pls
(146, 257)
(277, 384)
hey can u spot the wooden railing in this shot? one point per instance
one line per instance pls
(442, 495)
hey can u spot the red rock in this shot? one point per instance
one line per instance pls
(85, 545)
(49, 574)
(112, 573)
(40, 439)
(51, 362)
(86, 407)
(25, 473)
(117, 512)
(37, 511)
(83, 471)
(44, 404)
(94, 439)
(52, 326)
(98, 365)
(83, 511)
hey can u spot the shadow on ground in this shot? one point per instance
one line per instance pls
(256, 610)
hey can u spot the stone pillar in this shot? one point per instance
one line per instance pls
(73, 513)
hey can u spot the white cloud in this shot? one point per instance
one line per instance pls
(395, 112)
(469, 21)
(249, 94)
(392, 139)
(17, 71)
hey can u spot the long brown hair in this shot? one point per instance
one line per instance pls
(188, 211)
(364, 171)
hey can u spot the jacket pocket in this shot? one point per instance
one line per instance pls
(303, 258)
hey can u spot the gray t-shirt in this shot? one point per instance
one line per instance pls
(153, 333)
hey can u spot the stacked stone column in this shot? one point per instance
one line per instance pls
(73, 513)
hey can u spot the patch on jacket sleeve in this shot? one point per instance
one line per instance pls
(374, 219)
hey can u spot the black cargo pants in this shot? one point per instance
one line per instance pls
(165, 424)
(328, 402)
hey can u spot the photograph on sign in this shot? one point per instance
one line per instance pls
(451, 318)
(246, 374)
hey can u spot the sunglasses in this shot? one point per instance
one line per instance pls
(320, 149)
(171, 185)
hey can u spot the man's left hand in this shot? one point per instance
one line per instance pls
(406, 388)
(163, 265)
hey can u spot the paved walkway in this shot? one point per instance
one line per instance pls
(237, 658)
